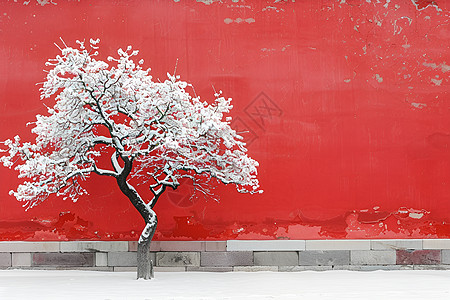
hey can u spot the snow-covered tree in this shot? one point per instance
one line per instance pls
(150, 130)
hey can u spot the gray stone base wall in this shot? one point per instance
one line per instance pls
(233, 255)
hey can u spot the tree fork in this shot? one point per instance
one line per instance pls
(144, 263)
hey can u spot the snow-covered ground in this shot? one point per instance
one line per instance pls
(385, 285)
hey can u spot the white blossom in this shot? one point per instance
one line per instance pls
(115, 107)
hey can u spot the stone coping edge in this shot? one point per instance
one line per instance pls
(229, 245)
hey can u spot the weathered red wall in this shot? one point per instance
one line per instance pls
(346, 104)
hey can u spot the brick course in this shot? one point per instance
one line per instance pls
(29, 247)
(94, 246)
(216, 256)
(396, 245)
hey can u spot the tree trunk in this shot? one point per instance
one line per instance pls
(144, 263)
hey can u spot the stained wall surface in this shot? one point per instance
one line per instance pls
(344, 103)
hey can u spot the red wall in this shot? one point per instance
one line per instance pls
(346, 104)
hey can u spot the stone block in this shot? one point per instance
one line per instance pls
(373, 268)
(125, 269)
(5, 259)
(226, 259)
(431, 267)
(154, 246)
(29, 247)
(21, 259)
(277, 245)
(418, 257)
(182, 246)
(63, 259)
(101, 259)
(132, 246)
(396, 244)
(101, 269)
(375, 257)
(324, 258)
(436, 244)
(304, 268)
(209, 269)
(274, 258)
(216, 246)
(177, 259)
(169, 269)
(94, 246)
(98, 269)
(337, 245)
(255, 269)
(123, 259)
(445, 259)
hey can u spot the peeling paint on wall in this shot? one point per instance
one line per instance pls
(418, 4)
(272, 8)
(442, 66)
(207, 2)
(397, 27)
(357, 104)
(239, 20)
(436, 81)
(38, 2)
(423, 4)
(378, 78)
(418, 105)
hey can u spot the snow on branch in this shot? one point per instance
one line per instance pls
(114, 106)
